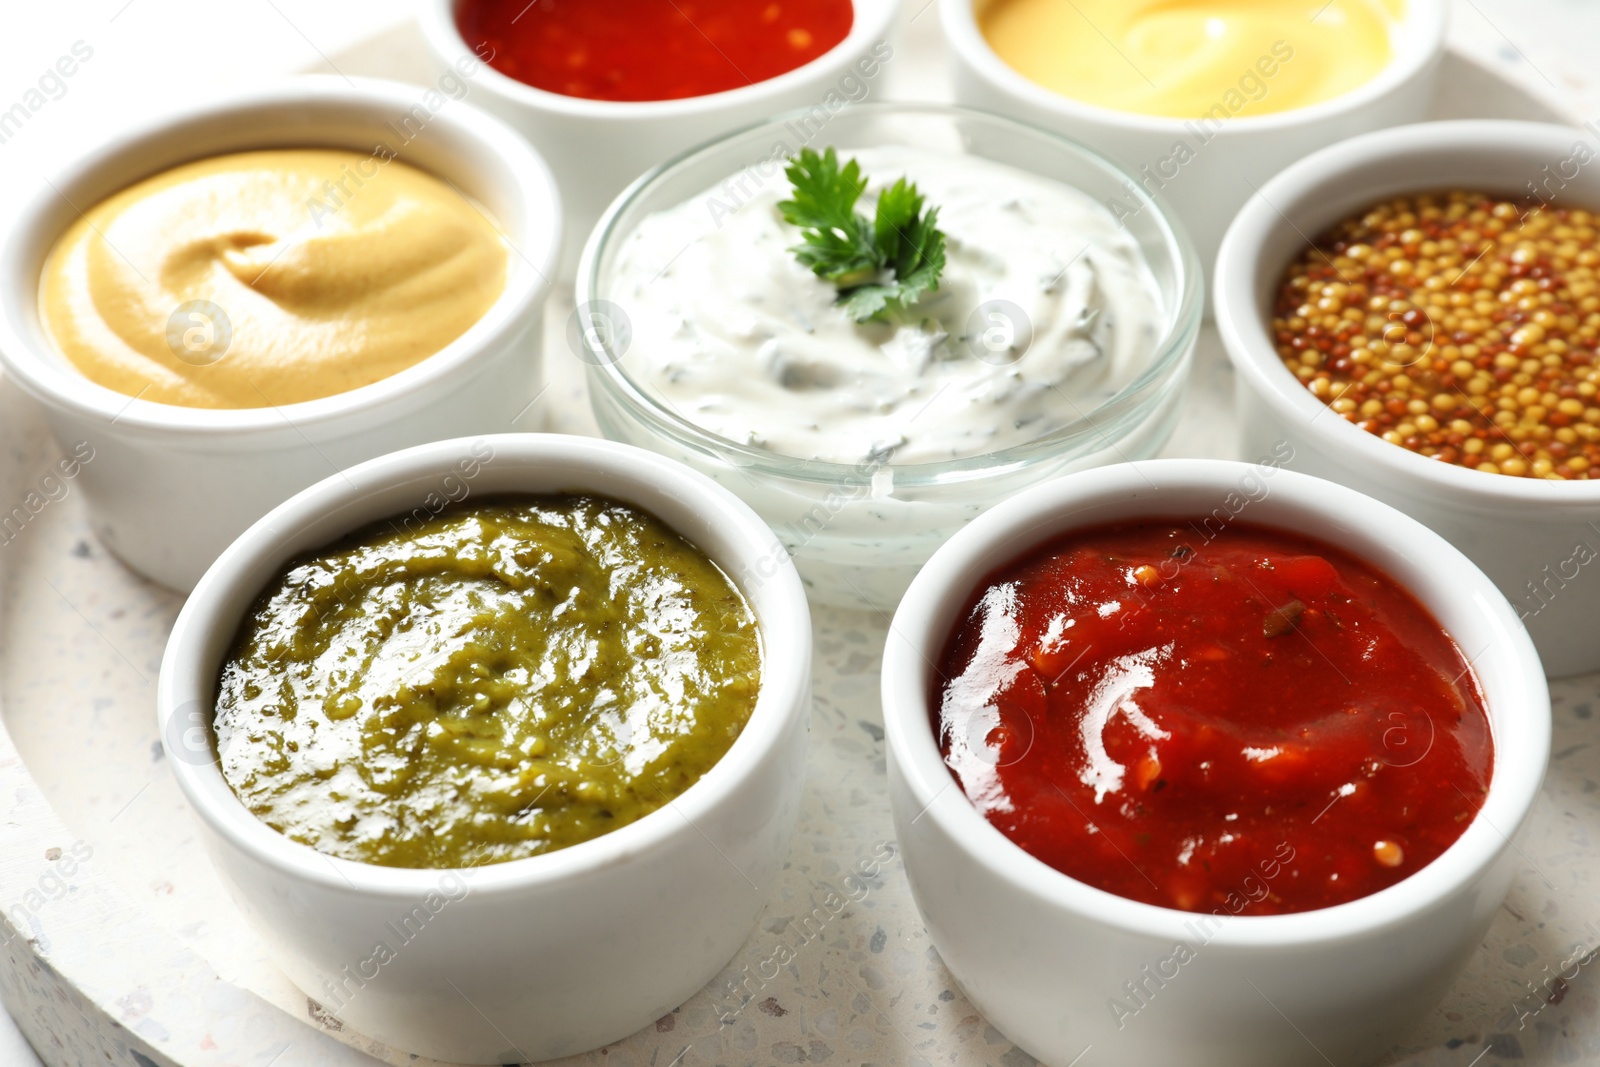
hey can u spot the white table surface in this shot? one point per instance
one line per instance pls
(146, 52)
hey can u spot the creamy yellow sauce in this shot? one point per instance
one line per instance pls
(1194, 58)
(267, 278)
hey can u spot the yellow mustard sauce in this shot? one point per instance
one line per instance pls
(267, 278)
(1194, 58)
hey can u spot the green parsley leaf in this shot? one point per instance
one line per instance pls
(839, 245)
(856, 253)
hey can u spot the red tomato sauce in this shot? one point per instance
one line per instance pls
(1241, 721)
(650, 49)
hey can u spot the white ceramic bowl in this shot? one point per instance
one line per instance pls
(541, 957)
(1043, 955)
(1239, 153)
(597, 147)
(1533, 537)
(167, 486)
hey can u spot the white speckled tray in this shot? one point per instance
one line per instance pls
(118, 945)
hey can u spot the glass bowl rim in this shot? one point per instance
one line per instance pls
(1172, 348)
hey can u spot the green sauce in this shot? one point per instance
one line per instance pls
(496, 681)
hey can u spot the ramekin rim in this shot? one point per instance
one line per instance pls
(40, 375)
(967, 41)
(913, 750)
(1244, 334)
(781, 610)
(437, 18)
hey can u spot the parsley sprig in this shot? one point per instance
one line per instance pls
(881, 266)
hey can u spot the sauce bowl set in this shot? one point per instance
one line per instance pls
(561, 953)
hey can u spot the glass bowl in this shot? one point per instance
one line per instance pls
(859, 532)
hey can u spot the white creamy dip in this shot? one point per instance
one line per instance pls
(733, 333)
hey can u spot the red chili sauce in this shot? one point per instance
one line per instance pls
(1241, 721)
(650, 49)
